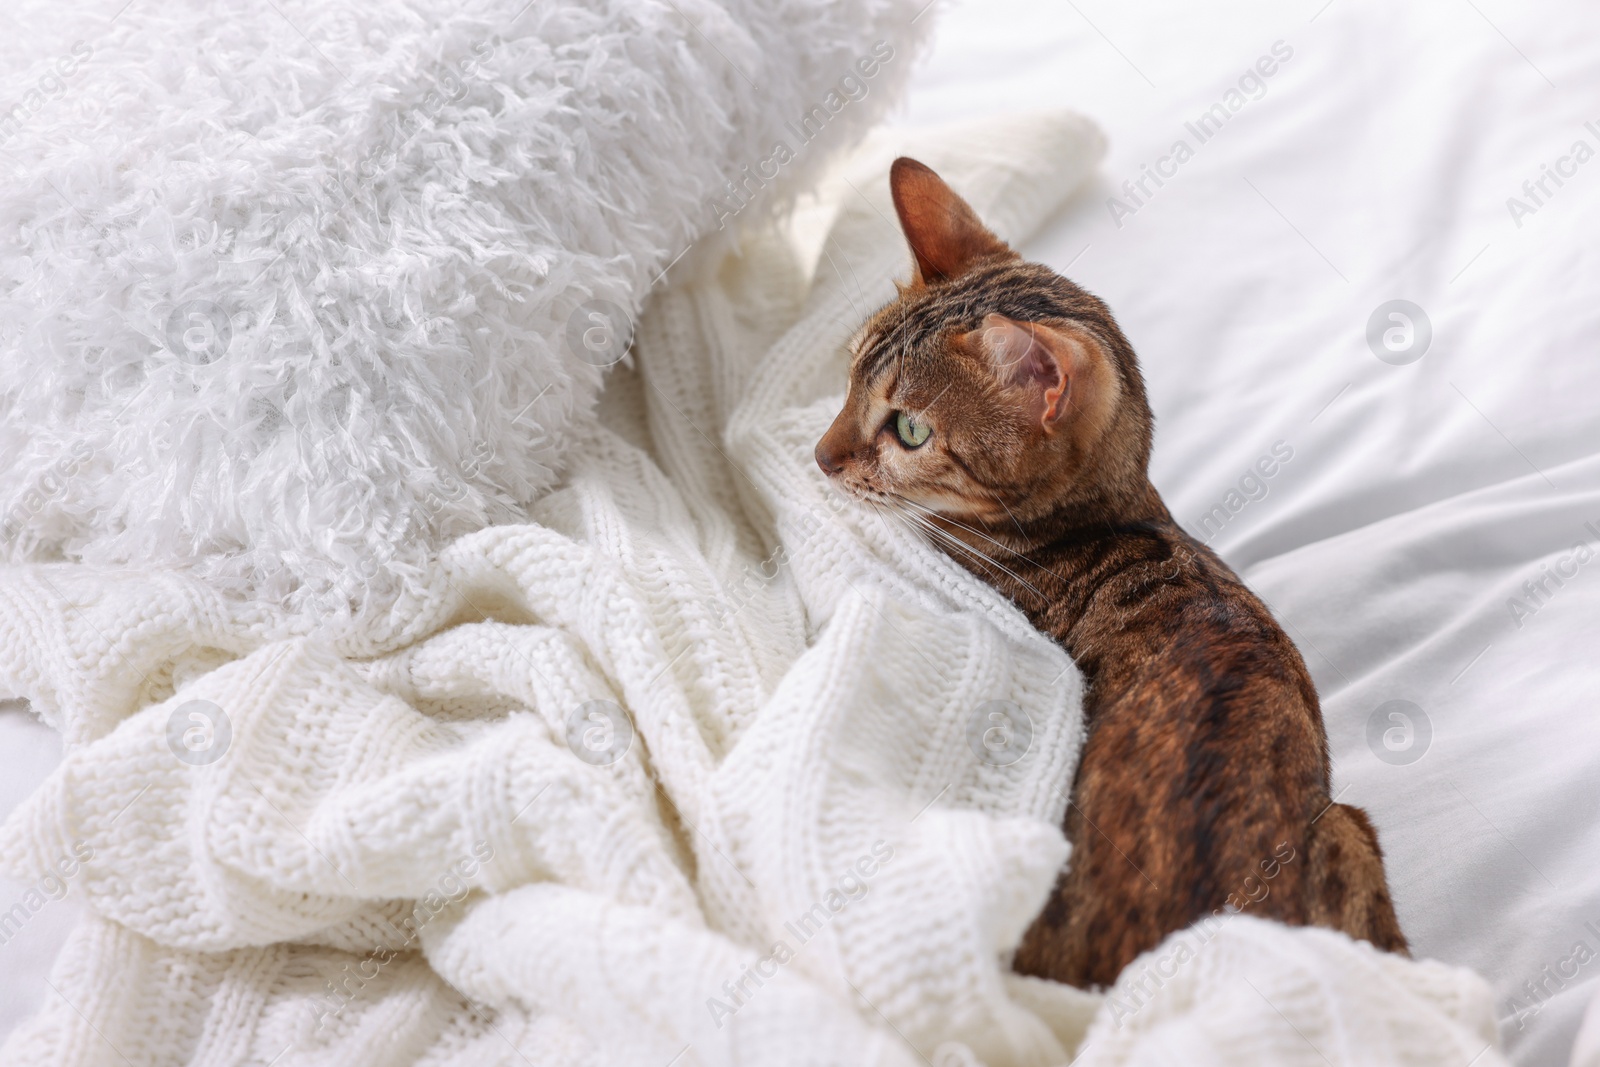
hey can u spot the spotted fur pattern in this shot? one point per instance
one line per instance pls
(1204, 778)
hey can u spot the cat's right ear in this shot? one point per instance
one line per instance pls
(1053, 371)
(945, 234)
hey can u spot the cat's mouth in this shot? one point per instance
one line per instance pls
(859, 491)
(880, 498)
(862, 493)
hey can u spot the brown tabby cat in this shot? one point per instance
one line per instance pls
(999, 406)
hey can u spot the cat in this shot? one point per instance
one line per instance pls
(998, 407)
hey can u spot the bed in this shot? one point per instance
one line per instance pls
(1365, 312)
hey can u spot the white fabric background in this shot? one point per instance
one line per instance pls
(1376, 166)
(1425, 495)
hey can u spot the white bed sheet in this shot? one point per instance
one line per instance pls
(1375, 165)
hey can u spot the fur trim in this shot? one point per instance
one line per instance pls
(294, 303)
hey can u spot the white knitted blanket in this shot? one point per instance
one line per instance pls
(824, 818)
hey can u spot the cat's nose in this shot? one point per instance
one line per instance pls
(831, 461)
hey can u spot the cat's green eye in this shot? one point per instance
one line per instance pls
(911, 432)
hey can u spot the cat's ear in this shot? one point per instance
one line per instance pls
(1053, 369)
(945, 234)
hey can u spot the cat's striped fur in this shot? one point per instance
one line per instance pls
(1204, 778)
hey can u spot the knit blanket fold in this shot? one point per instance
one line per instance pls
(702, 766)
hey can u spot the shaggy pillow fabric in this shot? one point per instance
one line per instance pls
(295, 292)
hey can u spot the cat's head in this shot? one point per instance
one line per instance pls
(992, 390)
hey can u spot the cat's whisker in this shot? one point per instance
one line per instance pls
(955, 542)
(844, 286)
(989, 562)
(1010, 516)
(881, 512)
(978, 533)
(960, 546)
(951, 539)
(885, 512)
(920, 415)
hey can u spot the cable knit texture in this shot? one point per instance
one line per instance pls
(293, 293)
(429, 842)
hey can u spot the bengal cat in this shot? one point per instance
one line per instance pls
(999, 407)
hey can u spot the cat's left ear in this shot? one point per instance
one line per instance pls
(945, 234)
(1054, 369)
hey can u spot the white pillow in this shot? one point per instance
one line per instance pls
(304, 289)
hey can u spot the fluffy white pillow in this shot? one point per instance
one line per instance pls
(301, 290)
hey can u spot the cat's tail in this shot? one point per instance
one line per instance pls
(1347, 887)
